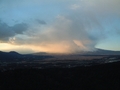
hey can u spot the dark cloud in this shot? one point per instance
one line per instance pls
(7, 31)
(40, 21)
(19, 28)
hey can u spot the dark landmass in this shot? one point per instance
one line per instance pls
(59, 72)
(96, 52)
(14, 57)
(13, 60)
(102, 77)
(102, 52)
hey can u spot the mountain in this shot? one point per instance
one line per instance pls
(14, 56)
(13, 53)
(101, 52)
(9, 55)
(40, 53)
(96, 52)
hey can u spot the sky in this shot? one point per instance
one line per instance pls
(59, 26)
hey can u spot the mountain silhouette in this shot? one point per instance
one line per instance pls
(101, 52)
(9, 55)
(14, 56)
(96, 52)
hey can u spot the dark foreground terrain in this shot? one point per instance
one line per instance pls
(102, 77)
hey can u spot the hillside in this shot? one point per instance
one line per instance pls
(102, 77)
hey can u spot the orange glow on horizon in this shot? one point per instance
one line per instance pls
(55, 47)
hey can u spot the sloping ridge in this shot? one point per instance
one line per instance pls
(9, 55)
(102, 52)
(96, 52)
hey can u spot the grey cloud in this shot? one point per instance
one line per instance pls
(40, 21)
(19, 28)
(65, 35)
(7, 31)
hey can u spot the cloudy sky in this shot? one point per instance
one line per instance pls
(59, 26)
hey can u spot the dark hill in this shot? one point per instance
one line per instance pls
(9, 55)
(14, 53)
(14, 56)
